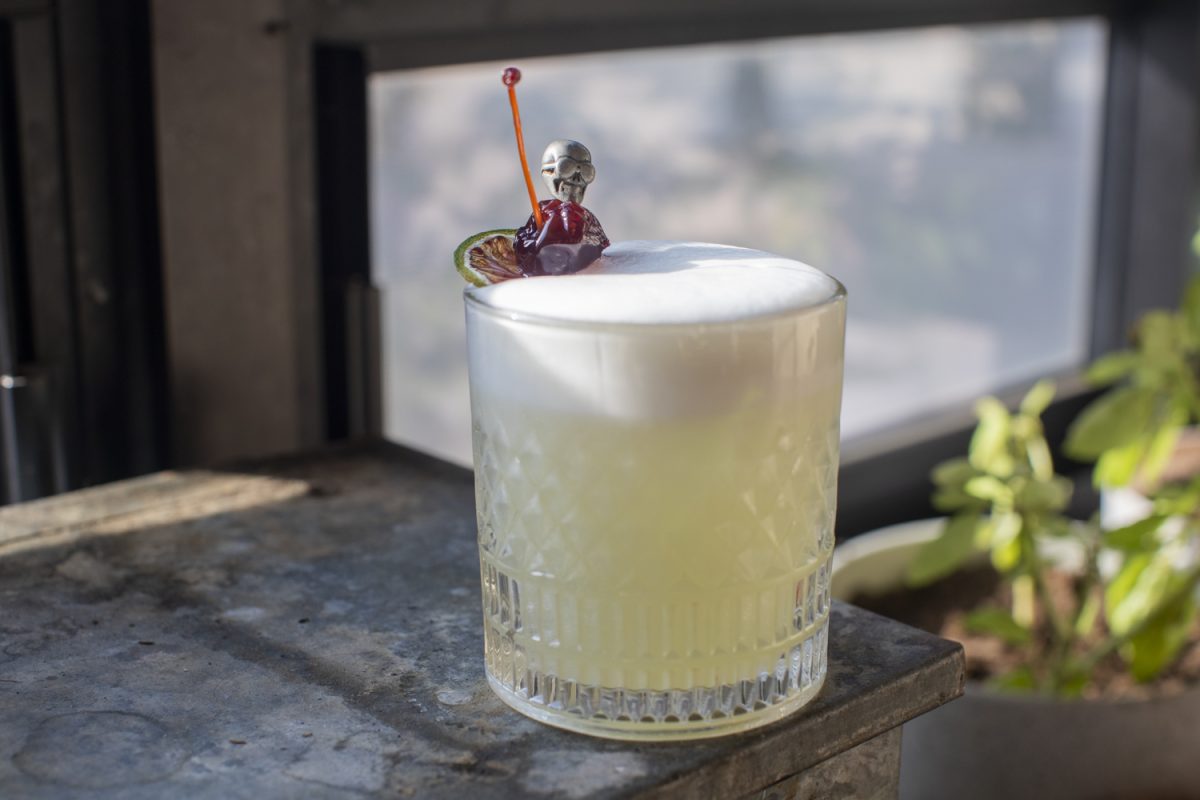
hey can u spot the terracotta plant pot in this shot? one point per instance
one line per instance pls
(988, 745)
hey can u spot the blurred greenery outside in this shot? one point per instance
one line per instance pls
(947, 176)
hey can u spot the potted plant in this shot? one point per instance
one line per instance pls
(1081, 637)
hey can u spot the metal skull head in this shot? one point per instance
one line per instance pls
(567, 169)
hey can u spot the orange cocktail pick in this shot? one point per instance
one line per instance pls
(511, 76)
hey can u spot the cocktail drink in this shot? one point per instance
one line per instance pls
(656, 453)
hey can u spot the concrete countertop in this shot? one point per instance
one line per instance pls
(311, 627)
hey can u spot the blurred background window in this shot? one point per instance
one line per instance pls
(948, 176)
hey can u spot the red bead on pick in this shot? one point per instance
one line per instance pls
(511, 76)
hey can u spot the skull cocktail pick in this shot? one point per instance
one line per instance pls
(571, 237)
(567, 169)
(560, 237)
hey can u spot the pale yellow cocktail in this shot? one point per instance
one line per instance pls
(656, 485)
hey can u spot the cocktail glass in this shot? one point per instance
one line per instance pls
(655, 507)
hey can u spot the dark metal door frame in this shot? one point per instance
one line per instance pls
(85, 396)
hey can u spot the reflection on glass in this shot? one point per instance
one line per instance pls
(945, 175)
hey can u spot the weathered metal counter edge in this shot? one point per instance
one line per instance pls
(311, 626)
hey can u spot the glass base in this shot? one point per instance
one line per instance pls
(673, 714)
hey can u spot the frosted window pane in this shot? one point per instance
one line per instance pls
(946, 175)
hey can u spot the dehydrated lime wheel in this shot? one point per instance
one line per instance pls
(488, 257)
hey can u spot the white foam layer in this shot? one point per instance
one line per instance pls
(644, 282)
(742, 355)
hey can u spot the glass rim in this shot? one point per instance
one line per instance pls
(473, 303)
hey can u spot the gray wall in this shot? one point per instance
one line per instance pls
(235, 185)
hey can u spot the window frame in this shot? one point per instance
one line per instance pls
(1145, 208)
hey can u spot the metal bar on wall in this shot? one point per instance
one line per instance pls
(1148, 185)
(53, 340)
(38, 396)
(10, 484)
(348, 303)
(109, 152)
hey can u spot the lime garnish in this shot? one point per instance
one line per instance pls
(488, 257)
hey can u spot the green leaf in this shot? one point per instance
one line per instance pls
(1038, 398)
(1136, 538)
(1118, 466)
(1007, 550)
(941, 556)
(951, 501)
(999, 623)
(1121, 585)
(955, 472)
(1111, 367)
(1158, 337)
(1044, 496)
(950, 477)
(1135, 591)
(1161, 447)
(1191, 305)
(1025, 427)
(1114, 419)
(1180, 499)
(989, 444)
(1156, 647)
(983, 532)
(1089, 612)
(985, 487)
(1057, 526)
(1038, 453)
(1020, 681)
